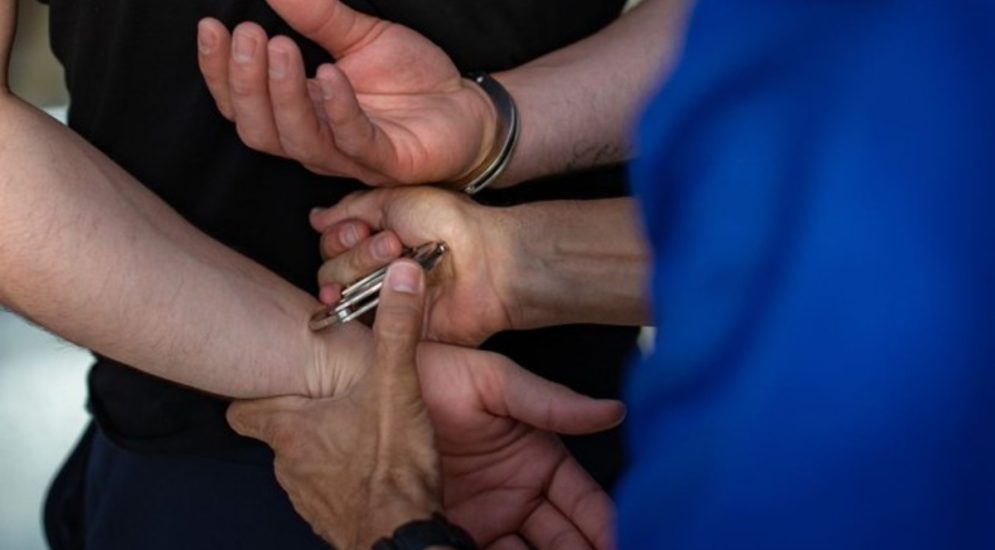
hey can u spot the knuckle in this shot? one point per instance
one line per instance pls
(397, 320)
(224, 109)
(353, 261)
(242, 87)
(327, 245)
(282, 435)
(252, 138)
(329, 273)
(235, 415)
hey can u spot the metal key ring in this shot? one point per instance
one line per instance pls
(364, 294)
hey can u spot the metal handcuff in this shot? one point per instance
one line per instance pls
(364, 295)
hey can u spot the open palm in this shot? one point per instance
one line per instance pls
(392, 109)
(507, 478)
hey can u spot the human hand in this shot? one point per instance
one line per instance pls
(507, 479)
(469, 299)
(392, 109)
(362, 464)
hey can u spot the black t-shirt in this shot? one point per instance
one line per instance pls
(137, 95)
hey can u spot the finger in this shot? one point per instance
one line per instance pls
(354, 133)
(365, 206)
(259, 418)
(332, 24)
(367, 257)
(297, 125)
(398, 326)
(342, 237)
(329, 294)
(550, 406)
(248, 84)
(508, 542)
(584, 503)
(547, 529)
(213, 49)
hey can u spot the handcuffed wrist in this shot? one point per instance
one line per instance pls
(497, 160)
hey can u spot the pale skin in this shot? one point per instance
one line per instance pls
(393, 109)
(414, 437)
(87, 252)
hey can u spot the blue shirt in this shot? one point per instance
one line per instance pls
(818, 184)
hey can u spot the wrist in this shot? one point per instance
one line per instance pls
(387, 519)
(526, 275)
(486, 112)
(335, 360)
(400, 500)
(501, 130)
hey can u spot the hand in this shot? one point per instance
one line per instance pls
(361, 465)
(507, 480)
(469, 300)
(392, 110)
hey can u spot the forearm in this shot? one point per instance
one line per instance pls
(90, 254)
(577, 104)
(576, 262)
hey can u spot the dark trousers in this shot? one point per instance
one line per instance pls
(107, 498)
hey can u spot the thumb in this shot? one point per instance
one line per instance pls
(8, 22)
(265, 419)
(331, 23)
(398, 326)
(553, 407)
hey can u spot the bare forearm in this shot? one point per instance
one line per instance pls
(578, 262)
(90, 254)
(577, 104)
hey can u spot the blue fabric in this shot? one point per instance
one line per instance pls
(175, 502)
(818, 183)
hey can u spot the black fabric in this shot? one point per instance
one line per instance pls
(143, 501)
(137, 95)
(64, 507)
(428, 533)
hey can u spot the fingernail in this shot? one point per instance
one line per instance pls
(349, 236)
(278, 63)
(245, 48)
(316, 210)
(206, 41)
(327, 88)
(382, 248)
(403, 277)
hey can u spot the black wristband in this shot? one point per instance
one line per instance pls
(425, 533)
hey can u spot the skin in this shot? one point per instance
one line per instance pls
(375, 115)
(529, 266)
(90, 254)
(464, 433)
(393, 109)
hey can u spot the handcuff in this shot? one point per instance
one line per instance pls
(363, 295)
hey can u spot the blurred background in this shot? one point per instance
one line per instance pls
(42, 391)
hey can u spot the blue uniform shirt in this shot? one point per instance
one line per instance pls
(818, 183)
